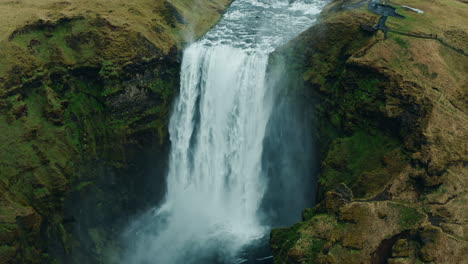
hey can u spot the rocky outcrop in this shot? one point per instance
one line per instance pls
(392, 126)
(85, 92)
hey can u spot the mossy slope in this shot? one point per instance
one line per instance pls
(85, 93)
(392, 128)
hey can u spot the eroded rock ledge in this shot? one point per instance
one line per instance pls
(392, 126)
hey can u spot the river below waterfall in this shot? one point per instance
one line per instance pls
(219, 201)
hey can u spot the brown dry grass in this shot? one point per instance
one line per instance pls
(130, 24)
(136, 15)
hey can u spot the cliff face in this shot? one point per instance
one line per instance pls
(392, 127)
(85, 92)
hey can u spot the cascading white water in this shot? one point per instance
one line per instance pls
(215, 183)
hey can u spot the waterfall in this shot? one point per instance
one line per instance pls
(215, 183)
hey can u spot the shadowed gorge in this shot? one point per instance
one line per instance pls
(244, 131)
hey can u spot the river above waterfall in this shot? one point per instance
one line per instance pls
(214, 209)
(263, 25)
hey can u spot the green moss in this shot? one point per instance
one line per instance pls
(109, 70)
(349, 159)
(7, 227)
(324, 218)
(85, 122)
(424, 70)
(367, 92)
(308, 213)
(409, 216)
(163, 88)
(353, 93)
(283, 239)
(347, 100)
(291, 244)
(64, 41)
(41, 192)
(111, 90)
(418, 261)
(341, 226)
(401, 42)
(31, 149)
(315, 248)
(335, 120)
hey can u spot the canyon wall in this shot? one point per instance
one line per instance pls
(85, 92)
(392, 126)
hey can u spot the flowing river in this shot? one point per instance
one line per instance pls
(215, 209)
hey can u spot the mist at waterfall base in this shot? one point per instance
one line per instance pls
(241, 153)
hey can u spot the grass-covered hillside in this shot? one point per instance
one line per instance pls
(392, 129)
(85, 92)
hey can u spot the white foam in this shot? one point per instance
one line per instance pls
(215, 183)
